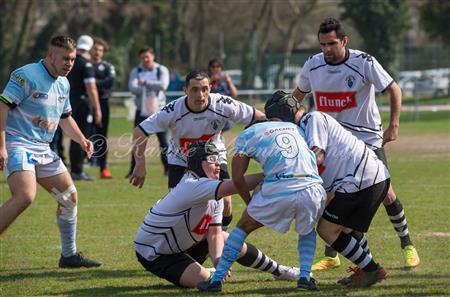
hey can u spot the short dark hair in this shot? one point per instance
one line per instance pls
(331, 24)
(197, 75)
(63, 41)
(146, 49)
(215, 61)
(101, 42)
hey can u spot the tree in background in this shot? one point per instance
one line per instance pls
(434, 16)
(381, 25)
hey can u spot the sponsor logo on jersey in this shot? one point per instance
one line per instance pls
(185, 143)
(18, 79)
(169, 107)
(198, 119)
(333, 71)
(226, 100)
(202, 226)
(335, 101)
(268, 132)
(44, 124)
(39, 95)
(350, 81)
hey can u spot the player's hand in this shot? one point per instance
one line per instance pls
(141, 82)
(98, 117)
(390, 134)
(3, 158)
(137, 178)
(87, 146)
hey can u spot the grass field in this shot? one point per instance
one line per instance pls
(110, 212)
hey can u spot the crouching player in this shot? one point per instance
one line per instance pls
(32, 104)
(182, 228)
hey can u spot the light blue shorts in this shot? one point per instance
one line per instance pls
(43, 164)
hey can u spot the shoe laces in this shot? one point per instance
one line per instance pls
(357, 272)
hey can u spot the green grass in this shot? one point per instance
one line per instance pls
(111, 211)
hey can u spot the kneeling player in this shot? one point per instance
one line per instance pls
(182, 228)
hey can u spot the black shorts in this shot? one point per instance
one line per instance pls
(356, 210)
(171, 267)
(176, 172)
(382, 156)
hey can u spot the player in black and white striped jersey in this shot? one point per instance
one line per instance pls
(343, 82)
(182, 228)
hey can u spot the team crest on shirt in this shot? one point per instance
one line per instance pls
(350, 81)
(215, 124)
(101, 67)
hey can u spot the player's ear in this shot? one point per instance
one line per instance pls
(345, 41)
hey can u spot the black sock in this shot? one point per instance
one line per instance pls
(329, 251)
(348, 247)
(397, 217)
(256, 259)
(359, 236)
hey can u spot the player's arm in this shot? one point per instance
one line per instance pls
(215, 243)
(70, 127)
(320, 157)
(137, 178)
(228, 188)
(91, 90)
(133, 83)
(231, 87)
(239, 166)
(395, 98)
(4, 109)
(259, 116)
(298, 95)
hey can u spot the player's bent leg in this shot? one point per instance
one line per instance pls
(23, 191)
(397, 216)
(63, 190)
(193, 275)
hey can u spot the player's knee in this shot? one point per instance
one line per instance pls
(25, 198)
(390, 198)
(67, 202)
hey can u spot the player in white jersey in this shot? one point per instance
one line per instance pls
(343, 82)
(197, 116)
(291, 189)
(185, 225)
(356, 182)
(33, 103)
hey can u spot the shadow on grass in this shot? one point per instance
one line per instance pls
(67, 274)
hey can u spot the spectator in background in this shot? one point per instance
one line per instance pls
(148, 82)
(82, 89)
(105, 76)
(221, 83)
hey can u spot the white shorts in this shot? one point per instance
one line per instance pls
(43, 164)
(305, 206)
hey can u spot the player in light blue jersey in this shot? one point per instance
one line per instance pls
(292, 188)
(33, 103)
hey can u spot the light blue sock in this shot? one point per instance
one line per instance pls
(68, 231)
(230, 253)
(306, 250)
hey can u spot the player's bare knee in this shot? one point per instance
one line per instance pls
(25, 198)
(67, 202)
(390, 198)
